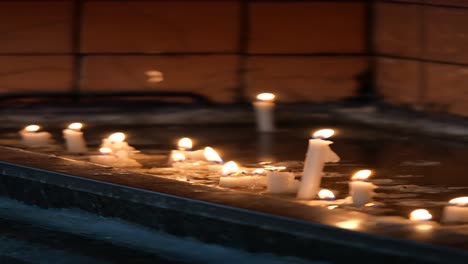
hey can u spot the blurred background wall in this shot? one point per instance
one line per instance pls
(304, 51)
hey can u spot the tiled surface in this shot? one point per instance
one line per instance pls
(162, 26)
(447, 88)
(307, 27)
(398, 81)
(447, 34)
(304, 79)
(398, 29)
(35, 26)
(35, 74)
(213, 76)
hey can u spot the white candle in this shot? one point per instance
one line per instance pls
(231, 178)
(264, 107)
(281, 182)
(116, 142)
(184, 146)
(106, 157)
(74, 138)
(31, 136)
(318, 153)
(456, 211)
(361, 192)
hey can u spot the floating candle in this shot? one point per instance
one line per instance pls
(31, 136)
(361, 192)
(74, 138)
(232, 178)
(318, 153)
(420, 215)
(456, 211)
(264, 112)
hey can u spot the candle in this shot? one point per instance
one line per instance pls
(106, 157)
(456, 211)
(116, 142)
(281, 182)
(326, 195)
(264, 112)
(184, 146)
(31, 136)
(215, 163)
(318, 153)
(420, 215)
(231, 177)
(361, 191)
(74, 138)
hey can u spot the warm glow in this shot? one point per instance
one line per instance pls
(32, 128)
(420, 215)
(361, 175)
(323, 133)
(75, 126)
(326, 195)
(460, 201)
(331, 207)
(212, 155)
(185, 144)
(117, 137)
(230, 168)
(275, 168)
(350, 224)
(178, 156)
(105, 151)
(266, 97)
(258, 171)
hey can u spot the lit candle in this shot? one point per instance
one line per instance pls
(281, 182)
(456, 211)
(420, 215)
(264, 107)
(232, 178)
(31, 136)
(361, 191)
(74, 138)
(116, 142)
(106, 158)
(185, 146)
(326, 195)
(318, 153)
(215, 163)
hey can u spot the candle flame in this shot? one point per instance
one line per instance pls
(178, 156)
(105, 151)
(75, 126)
(326, 195)
(212, 155)
(117, 137)
(361, 175)
(420, 215)
(460, 201)
(185, 144)
(230, 168)
(32, 128)
(323, 133)
(266, 97)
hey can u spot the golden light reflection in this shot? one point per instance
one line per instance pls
(211, 155)
(75, 126)
(331, 207)
(266, 97)
(323, 133)
(177, 156)
(105, 151)
(258, 171)
(230, 168)
(326, 195)
(420, 215)
(185, 143)
(117, 137)
(349, 224)
(361, 175)
(32, 128)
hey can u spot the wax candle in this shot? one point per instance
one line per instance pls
(106, 158)
(361, 191)
(420, 215)
(74, 138)
(116, 142)
(215, 163)
(31, 136)
(264, 107)
(318, 153)
(281, 182)
(184, 146)
(456, 211)
(232, 177)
